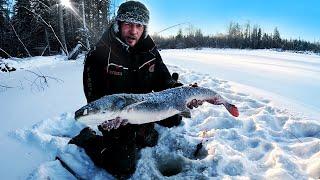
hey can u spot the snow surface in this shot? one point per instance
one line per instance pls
(276, 136)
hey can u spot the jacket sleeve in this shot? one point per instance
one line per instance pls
(92, 77)
(163, 78)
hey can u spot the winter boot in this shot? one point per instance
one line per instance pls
(91, 143)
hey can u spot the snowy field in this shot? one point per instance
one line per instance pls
(276, 136)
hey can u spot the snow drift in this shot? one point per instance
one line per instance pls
(265, 142)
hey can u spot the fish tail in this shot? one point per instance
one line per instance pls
(218, 100)
(232, 109)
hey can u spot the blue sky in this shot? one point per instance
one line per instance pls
(294, 18)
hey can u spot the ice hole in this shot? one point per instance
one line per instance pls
(170, 165)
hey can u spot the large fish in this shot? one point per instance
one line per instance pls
(150, 107)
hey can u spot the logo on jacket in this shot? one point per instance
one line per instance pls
(151, 68)
(116, 73)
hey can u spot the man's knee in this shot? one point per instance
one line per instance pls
(146, 135)
(171, 121)
(117, 156)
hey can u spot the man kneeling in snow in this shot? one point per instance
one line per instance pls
(125, 60)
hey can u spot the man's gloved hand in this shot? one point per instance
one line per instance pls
(175, 76)
(193, 85)
(177, 84)
(194, 103)
(114, 123)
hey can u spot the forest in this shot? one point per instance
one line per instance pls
(238, 36)
(47, 27)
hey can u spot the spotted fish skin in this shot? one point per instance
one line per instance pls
(150, 107)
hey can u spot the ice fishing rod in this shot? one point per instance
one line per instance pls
(171, 27)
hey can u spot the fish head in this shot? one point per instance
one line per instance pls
(103, 109)
(85, 111)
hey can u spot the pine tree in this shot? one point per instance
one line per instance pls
(247, 35)
(259, 36)
(276, 38)
(179, 40)
(254, 37)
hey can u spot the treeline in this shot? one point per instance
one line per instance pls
(45, 27)
(237, 36)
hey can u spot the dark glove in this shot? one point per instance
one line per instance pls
(175, 76)
(177, 84)
(194, 85)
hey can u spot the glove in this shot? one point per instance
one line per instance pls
(177, 84)
(175, 76)
(194, 85)
(194, 103)
(114, 123)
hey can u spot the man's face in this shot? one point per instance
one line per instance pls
(131, 33)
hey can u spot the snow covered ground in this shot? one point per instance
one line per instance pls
(293, 78)
(277, 134)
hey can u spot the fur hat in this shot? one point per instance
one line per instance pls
(133, 12)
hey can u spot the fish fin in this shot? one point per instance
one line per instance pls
(126, 101)
(233, 110)
(131, 100)
(186, 113)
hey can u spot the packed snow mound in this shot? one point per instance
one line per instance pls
(264, 142)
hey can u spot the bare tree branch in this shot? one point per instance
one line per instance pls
(6, 53)
(4, 87)
(49, 25)
(44, 50)
(44, 5)
(25, 48)
(41, 81)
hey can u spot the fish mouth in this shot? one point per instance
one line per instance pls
(81, 113)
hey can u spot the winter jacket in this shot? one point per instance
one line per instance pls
(113, 67)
